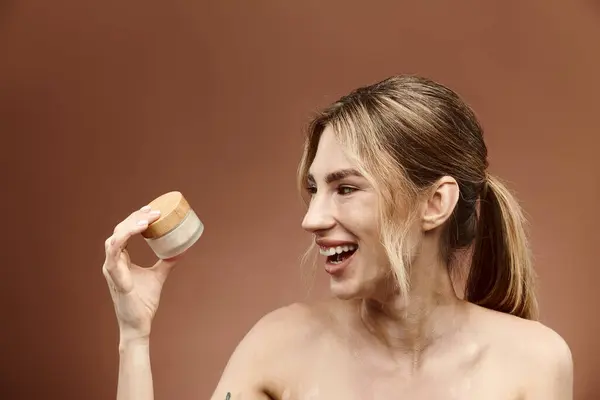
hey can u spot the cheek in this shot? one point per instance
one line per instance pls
(363, 227)
(361, 218)
(362, 222)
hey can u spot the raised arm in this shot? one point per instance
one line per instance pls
(136, 291)
(135, 375)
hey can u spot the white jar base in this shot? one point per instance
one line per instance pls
(179, 239)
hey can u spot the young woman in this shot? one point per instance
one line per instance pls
(398, 192)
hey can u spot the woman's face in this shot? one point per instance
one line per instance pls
(343, 216)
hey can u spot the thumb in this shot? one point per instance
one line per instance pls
(164, 267)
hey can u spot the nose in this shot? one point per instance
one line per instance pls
(319, 215)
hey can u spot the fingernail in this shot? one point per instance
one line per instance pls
(155, 212)
(142, 222)
(145, 209)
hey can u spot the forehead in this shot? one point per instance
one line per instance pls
(330, 156)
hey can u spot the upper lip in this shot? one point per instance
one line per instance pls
(332, 243)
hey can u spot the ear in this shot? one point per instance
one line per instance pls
(440, 203)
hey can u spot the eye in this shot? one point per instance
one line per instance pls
(345, 190)
(311, 189)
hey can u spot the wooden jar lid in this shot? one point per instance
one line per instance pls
(173, 209)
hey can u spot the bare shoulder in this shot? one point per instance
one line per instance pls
(294, 324)
(540, 353)
(534, 340)
(278, 341)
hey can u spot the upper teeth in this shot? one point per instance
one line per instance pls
(329, 251)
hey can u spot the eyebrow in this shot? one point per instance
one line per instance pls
(336, 176)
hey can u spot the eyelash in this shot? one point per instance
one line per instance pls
(340, 190)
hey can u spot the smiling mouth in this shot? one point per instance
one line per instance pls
(338, 254)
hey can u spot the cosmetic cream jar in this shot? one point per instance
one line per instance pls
(177, 229)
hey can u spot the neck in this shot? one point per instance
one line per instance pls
(431, 312)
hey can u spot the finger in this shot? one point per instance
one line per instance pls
(121, 276)
(115, 270)
(135, 223)
(118, 276)
(117, 266)
(107, 276)
(144, 213)
(111, 285)
(117, 262)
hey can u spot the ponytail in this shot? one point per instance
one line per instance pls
(501, 276)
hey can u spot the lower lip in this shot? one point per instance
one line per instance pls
(337, 269)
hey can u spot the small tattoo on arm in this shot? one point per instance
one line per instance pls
(228, 396)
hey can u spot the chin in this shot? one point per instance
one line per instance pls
(345, 289)
(351, 287)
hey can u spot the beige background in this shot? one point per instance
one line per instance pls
(106, 104)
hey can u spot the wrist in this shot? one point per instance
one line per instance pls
(127, 341)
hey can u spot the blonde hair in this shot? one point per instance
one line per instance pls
(406, 132)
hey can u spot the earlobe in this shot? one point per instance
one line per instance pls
(440, 203)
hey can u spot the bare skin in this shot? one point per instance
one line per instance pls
(365, 342)
(322, 351)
